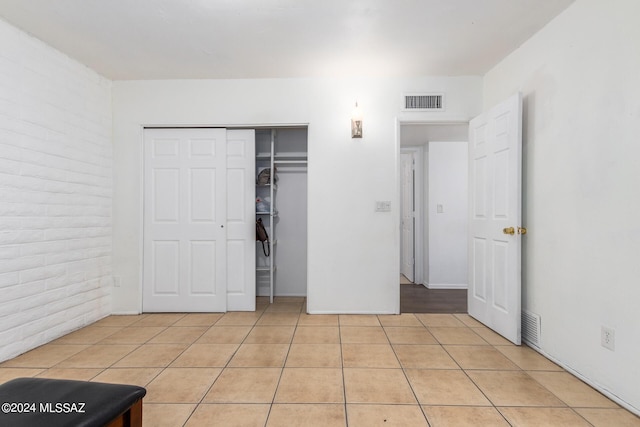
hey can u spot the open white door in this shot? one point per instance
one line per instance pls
(495, 210)
(241, 216)
(407, 233)
(185, 207)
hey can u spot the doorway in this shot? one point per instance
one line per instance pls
(439, 195)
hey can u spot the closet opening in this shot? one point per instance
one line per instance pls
(281, 205)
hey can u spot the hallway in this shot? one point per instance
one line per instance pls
(418, 299)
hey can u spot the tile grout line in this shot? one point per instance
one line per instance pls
(344, 381)
(404, 373)
(197, 405)
(557, 397)
(164, 368)
(275, 392)
(471, 379)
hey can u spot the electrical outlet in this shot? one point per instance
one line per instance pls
(116, 281)
(608, 338)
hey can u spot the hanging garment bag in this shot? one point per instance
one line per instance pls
(262, 236)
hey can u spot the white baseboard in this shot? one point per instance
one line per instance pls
(592, 383)
(445, 286)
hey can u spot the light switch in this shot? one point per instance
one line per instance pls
(439, 208)
(383, 206)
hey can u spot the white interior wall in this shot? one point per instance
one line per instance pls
(55, 192)
(351, 269)
(420, 133)
(291, 232)
(448, 215)
(291, 223)
(579, 78)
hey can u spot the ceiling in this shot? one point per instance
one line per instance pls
(160, 39)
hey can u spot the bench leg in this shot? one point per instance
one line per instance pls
(131, 418)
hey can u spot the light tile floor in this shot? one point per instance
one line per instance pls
(281, 367)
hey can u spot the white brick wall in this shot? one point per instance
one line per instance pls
(55, 193)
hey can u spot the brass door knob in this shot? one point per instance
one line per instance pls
(509, 230)
(522, 230)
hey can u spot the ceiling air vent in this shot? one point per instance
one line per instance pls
(424, 102)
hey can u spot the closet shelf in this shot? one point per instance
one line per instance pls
(290, 162)
(275, 214)
(275, 187)
(292, 155)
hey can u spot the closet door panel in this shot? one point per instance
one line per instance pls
(202, 272)
(166, 195)
(202, 197)
(241, 235)
(166, 266)
(184, 260)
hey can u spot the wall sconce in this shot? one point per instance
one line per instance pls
(356, 123)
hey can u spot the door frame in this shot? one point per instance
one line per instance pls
(418, 212)
(140, 161)
(400, 121)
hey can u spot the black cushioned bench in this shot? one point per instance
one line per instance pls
(36, 402)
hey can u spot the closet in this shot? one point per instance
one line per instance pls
(201, 195)
(281, 204)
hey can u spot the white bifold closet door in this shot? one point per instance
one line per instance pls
(241, 220)
(198, 228)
